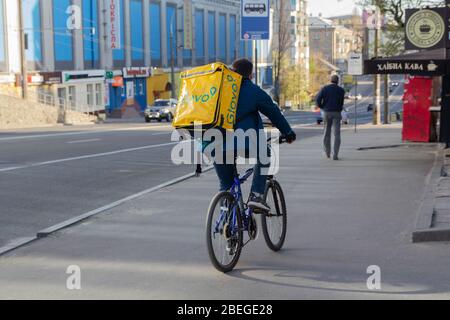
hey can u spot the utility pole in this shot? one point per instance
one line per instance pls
(386, 99)
(377, 77)
(23, 59)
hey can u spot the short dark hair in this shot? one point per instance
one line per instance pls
(244, 67)
(335, 79)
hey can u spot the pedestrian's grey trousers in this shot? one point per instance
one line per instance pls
(332, 120)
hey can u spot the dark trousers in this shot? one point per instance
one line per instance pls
(225, 172)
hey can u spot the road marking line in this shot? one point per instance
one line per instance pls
(82, 141)
(77, 219)
(95, 155)
(16, 243)
(37, 136)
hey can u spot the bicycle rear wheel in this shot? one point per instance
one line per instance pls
(224, 233)
(275, 223)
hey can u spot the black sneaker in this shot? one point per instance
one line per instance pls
(258, 204)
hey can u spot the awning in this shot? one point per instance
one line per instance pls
(429, 63)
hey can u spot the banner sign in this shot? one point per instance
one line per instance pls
(255, 20)
(355, 64)
(413, 67)
(425, 29)
(373, 19)
(135, 72)
(187, 25)
(114, 23)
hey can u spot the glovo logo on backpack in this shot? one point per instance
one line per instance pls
(208, 96)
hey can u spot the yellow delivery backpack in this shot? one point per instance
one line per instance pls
(208, 96)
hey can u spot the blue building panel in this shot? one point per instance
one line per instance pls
(232, 51)
(32, 24)
(90, 34)
(63, 37)
(2, 33)
(171, 24)
(155, 33)
(222, 54)
(212, 36)
(136, 25)
(200, 35)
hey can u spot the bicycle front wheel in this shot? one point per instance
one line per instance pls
(274, 224)
(224, 232)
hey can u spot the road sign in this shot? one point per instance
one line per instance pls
(355, 64)
(255, 17)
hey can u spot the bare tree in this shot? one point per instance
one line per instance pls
(282, 43)
(394, 11)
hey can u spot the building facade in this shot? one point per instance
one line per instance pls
(92, 53)
(289, 26)
(332, 40)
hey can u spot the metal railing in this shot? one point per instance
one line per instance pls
(46, 98)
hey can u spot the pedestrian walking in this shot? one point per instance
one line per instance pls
(330, 100)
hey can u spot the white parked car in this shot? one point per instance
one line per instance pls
(162, 109)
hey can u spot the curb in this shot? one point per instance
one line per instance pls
(424, 231)
(19, 242)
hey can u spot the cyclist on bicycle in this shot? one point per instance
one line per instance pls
(252, 100)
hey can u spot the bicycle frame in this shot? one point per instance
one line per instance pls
(236, 191)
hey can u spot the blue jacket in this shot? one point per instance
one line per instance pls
(252, 100)
(331, 98)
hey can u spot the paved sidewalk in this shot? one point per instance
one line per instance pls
(343, 217)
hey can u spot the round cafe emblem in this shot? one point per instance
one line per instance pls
(425, 28)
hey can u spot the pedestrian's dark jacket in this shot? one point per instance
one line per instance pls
(331, 98)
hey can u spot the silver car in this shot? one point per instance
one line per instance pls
(162, 109)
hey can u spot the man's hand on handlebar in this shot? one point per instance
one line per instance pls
(290, 137)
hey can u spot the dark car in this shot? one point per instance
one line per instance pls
(162, 109)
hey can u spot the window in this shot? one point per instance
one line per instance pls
(233, 37)
(155, 33)
(32, 23)
(90, 34)
(171, 26)
(63, 38)
(62, 97)
(71, 96)
(119, 53)
(199, 36)
(136, 25)
(212, 36)
(223, 38)
(98, 94)
(90, 95)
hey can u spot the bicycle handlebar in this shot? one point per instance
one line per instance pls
(281, 140)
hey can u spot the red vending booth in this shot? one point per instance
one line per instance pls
(417, 101)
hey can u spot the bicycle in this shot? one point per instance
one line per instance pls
(234, 218)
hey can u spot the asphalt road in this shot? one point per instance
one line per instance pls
(50, 175)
